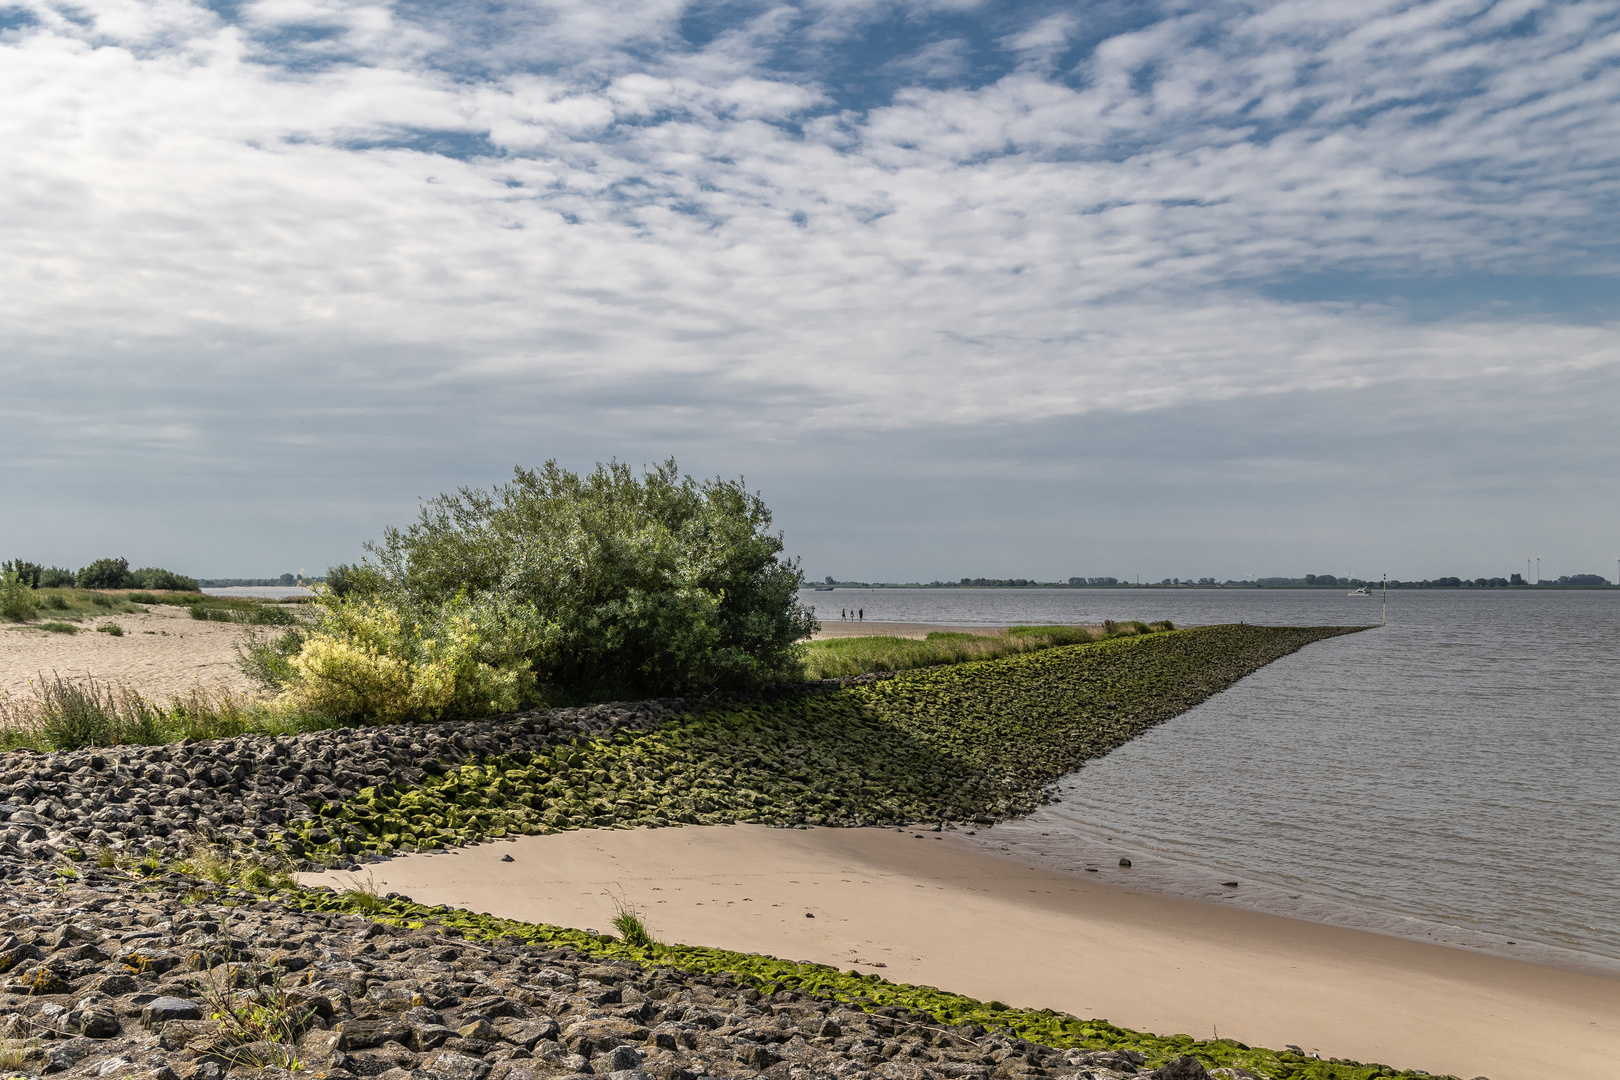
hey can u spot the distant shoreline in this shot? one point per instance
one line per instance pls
(1241, 587)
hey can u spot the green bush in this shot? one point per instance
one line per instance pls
(28, 573)
(151, 577)
(346, 579)
(142, 598)
(17, 600)
(266, 660)
(366, 661)
(110, 628)
(56, 577)
(625, 585)
(104, 574)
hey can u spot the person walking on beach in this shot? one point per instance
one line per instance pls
(863, 615)
(842, 614)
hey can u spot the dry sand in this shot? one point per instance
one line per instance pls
(939, 912)
(162, 652)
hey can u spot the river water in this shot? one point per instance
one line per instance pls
(1453, 776)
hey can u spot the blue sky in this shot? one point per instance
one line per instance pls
(963, 289)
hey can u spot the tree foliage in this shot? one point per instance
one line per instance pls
(598, 585)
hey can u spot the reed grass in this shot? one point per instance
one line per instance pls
(836, 657)
(67, 714)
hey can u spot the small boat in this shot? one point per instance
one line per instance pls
(1363, 591)
(824, 588)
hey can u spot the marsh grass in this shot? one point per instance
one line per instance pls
(66, 714)
(836, 657)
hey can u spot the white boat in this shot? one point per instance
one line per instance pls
(1363, 591)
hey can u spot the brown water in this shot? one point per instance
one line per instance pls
(1453, 776)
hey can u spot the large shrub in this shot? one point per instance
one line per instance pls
(559, 585)
(56, 577)
(151, 577)
(650, 584)
(104, 574)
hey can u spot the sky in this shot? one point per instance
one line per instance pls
(1015, 289)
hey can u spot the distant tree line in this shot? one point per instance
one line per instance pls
(288, 580)
(1309, 581)
(101, 574)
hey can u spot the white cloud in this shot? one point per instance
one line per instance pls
(176, 186)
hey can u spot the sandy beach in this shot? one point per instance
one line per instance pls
(162, 652)
(929, 908)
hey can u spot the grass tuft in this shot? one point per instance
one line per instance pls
(65, 714)
(632, 931)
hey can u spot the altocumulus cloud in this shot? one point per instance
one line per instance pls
(327, 255)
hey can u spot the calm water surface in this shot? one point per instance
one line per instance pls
(1454, 775)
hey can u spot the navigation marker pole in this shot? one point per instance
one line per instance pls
(1386, 601)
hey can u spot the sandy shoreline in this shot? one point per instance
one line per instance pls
(838, 628)
(937, 911)
(162, 652)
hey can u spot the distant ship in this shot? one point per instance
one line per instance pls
(824, 588)
(1363, 591)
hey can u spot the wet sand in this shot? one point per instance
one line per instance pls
(931, 908)
(161, 653)
(837, 628)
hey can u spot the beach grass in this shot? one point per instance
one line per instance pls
(833, 658)
(67, 714)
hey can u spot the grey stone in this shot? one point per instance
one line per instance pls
(453, 1066)
(161, 1010)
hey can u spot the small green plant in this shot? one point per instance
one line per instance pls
(57, 627)
(266, 1015)
(110, 628)
(142, 598)
(101, 600)
(106, 858)
(15, 1054)
(627, 921)
(363, 896)
(17, 599)
(55, 601)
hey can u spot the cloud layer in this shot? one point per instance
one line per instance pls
(369, 240)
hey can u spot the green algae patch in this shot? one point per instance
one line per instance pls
(868, 992)
(977, 741)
